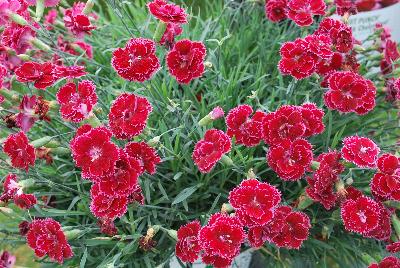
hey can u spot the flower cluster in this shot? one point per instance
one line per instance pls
(300, 11)
(390, 261)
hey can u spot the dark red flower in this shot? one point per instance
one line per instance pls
(254, 202)
(146, 155)
(392, 89)
(246, 130)
(215, 260)
(361, 151)
(296, 60)
(386, 187)
(107, 207)
(185, 60)
(287, 229)
(77, 101)
(345, 6)
(319, 45)
(128, 115)
(384, 228)
(23, 227)
(325, 67)
(137, 61)
(293, 122)
(168, 38)
(302, 11)
(360, 215)
(208, 151)
(46, 237)
(94, 152)
(188, 245)
(40, 74)
(22, 153)
(275, 10)
(168, 13)
(136, 196)
(13, 190)
(387, 262)
(322, 183)
(350, 92)
(77, 22)
(393, 247)
(290, 160)
(221, 238)
(123, 179)
(32, 109)
(340, 34)
(389, 164)
(365, 5)
(107, 227)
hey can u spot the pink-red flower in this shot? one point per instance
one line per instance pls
(69, 72)
(345, 6)
(287, 229)
(322, 183)
(104, 206)
(77, 22)
(172, 31)
(387, 262)
(386, 183)
(185, 60)
(22, 153)
(7, 7)
(40, 74)
(254, 202)
(77, 101)
(94, 152)
(340, 34)
(208, 151)
(7, 260)
(123, 179)
(293, 122)
(360, 215)
(275, 10)
(296, 60)
(361, 151)
(247, 130)
(384, 228)
(13, 190)
(146, 155)
(137, 61)
(290, 160)
(221, 239)
(32, 109)
(302, 11)
(168, 13)
(319, 45)
(45, 236)
(128, 115)
(188, 245)
(350, 92)
(393, 247)
(18, 37)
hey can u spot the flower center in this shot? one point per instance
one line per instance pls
(95, 153)
(362, 216)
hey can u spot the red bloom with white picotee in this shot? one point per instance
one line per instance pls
(18, 37)
(40, 74)
(275, 10)
(77, 22)
(293, 122)
(387, 262)
(319, 45)
(168, 13)
(104, 206)
(288, 228)
(393, 247)
(385, 184)
(128, 115)
(360, 151)
(350, 92)
(246, 129)
(254, 202)
(22, 153)
(322, 183)
(123, 179)
(145, 154)
(13, 190)
(208, 151)
(384, 228)
(93, 151)
(137, 61)
(296, 60)
(389, 164)
(340, 34)
(302, 11)
(360, 215)
(188, 247)
(185, 60)
(45, 236)
(70, 72)
(290, 160)
(77, 101)
(221, 238)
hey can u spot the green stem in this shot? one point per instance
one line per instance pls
(39, 9)
(161, 26)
